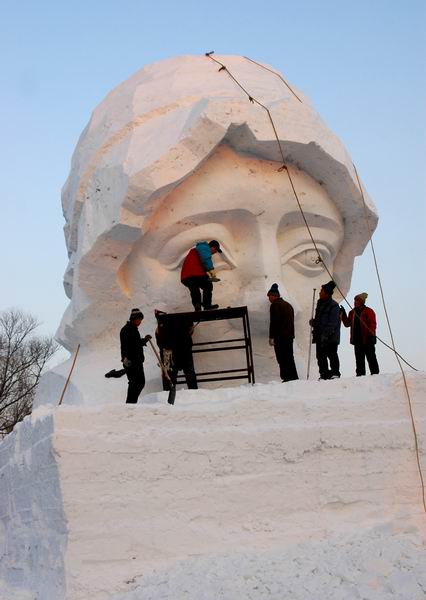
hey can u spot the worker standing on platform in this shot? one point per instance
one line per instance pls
(281, 333)
(198, 274)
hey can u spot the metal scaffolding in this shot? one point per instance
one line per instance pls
(226, 344)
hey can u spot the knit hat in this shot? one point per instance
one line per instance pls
(215, 244)
(329, 287)
(274, 290)
(135, 314)
(362, 296)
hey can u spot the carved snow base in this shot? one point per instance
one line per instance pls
(93, 499)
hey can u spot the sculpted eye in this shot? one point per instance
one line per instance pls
(173, 253)
(305, 261)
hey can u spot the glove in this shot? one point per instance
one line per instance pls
(146, 339)
(342, 310)
(311, 322)
(372, 339)
(126, 362)
(271, 342)
(212, 275)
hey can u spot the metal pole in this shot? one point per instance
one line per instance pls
(69, 376)
(310, 333)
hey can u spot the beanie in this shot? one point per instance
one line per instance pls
(215, 244)
(329, 287)
(274, 290)
(135, 314)
(362, 296)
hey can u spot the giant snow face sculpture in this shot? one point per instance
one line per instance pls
(177, 154)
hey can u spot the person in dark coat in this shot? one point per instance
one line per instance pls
(326, 332)
(281, 333)
(198, 274)
(362, 321)
(132, 355)
(174, 338)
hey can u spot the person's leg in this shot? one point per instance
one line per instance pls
(279, 357)
(136, 377)
(373, 365)
(285, 358)
(359, 359)
(193, 285)
(187, 365)
(206, 285)
(334, 360)
(322, 361)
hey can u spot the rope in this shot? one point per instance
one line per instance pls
(320, 260)
(69, 376)
(275, 73)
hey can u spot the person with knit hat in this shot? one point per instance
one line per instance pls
(362, 321)
(326, 332)
(132, 355)
(198, 274)
(281, 333)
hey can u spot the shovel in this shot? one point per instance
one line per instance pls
(172, 392)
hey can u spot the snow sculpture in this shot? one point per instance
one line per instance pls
(178, 154)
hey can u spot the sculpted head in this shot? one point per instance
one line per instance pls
(177, 154)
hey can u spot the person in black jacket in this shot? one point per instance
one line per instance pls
(281, 333)
(174, 338)
(132, 355)
(326, 332)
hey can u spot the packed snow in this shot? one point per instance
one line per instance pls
(299, 491)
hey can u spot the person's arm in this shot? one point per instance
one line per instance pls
(346, 319)
(124, 345)
(371, 322)
(205, 254)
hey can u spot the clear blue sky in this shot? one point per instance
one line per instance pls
(361, 63)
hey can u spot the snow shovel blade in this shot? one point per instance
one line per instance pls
(172, 395)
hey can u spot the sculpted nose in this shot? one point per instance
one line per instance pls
(270, 258)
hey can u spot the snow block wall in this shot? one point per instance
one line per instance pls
(104, 503)
(33, 531)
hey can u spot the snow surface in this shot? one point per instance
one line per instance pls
(299, 491)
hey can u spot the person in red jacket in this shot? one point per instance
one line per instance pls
(198, 274)
(362, 321)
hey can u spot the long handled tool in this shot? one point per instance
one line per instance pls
(310, 333)
(172, 392)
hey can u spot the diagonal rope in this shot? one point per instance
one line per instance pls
(275, 73)
(284, 167)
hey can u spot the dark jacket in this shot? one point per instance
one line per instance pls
(367, 323)
(131, 343)
(282, 320)
(326, 323)
(175, 334)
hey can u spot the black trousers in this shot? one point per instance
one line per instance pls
(182, 361)
(196, 285)
(362, 352)
(136, 376)
(326, 354)
(285, 358)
